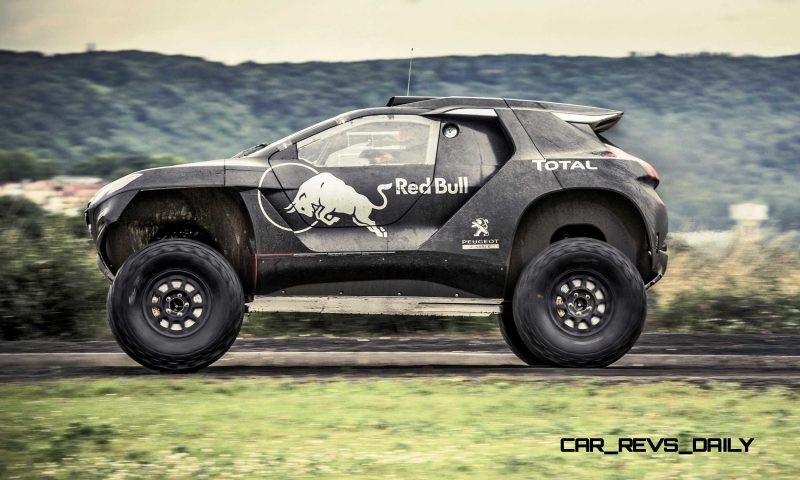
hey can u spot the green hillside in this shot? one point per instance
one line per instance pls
(719, 129)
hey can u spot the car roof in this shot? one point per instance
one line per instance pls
(422, 105)
(433, 103)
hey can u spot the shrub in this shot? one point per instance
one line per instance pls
(749, 285)
(707, 310)
(49, 285)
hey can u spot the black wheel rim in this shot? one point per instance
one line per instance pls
(176, 303)
(580, 303)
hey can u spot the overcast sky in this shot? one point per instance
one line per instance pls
(234, 31)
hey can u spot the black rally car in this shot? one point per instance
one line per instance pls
(516, 205)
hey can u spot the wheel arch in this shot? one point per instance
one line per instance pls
(605, 215)
(214, 216)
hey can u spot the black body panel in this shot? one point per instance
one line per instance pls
(382, 274)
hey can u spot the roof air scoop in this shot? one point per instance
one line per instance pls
(404, 99)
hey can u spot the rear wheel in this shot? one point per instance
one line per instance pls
(176, 305)
(513, 340)
(580, 303)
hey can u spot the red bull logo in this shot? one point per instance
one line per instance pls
(326, 198)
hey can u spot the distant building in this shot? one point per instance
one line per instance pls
(65, 195)
(748, 217)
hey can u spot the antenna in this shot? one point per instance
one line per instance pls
(410, 61)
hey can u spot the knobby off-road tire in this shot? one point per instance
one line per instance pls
(580, 303)
(508, 328)
(175, 306)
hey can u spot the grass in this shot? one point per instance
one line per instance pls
(403, 428)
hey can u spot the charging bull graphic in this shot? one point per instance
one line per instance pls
(325, 197)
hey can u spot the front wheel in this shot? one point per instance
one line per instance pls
(580, 303)
(176, 305)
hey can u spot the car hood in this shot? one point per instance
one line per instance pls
(198, 174)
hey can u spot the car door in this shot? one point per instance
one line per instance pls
(471, 149)
(351, 183)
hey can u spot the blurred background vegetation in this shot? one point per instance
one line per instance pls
(719, 129)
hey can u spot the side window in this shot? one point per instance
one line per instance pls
(374, 140)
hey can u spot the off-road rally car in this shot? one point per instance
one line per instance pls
(515, 207)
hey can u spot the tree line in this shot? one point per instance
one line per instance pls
(719, 129)
(18, 165)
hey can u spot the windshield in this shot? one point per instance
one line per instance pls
(289, 139)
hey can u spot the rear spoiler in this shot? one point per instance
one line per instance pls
(598, 119)
(598, 123)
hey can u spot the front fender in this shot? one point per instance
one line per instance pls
(110, 202)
